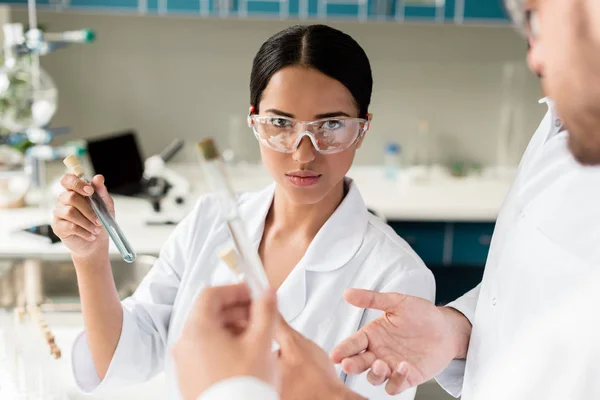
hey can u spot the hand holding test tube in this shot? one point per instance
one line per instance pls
(104, 215)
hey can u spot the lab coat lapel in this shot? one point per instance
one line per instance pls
(291, 296)
(334, 246)
(340, 238)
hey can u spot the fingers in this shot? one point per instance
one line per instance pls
(238, 315)
(208, 308)
(74, 199)
(379, 373)
(351, 346)
(359, 363)
(64, 228)
(72, 214)
(398, 382)
(73, 183)
(264, 315)
(98, 182)
(370, 299)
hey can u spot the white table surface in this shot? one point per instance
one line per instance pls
(57, 373)
(436, 199)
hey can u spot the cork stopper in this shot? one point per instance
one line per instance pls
(208, 149)
(229, 257)
(73, 164)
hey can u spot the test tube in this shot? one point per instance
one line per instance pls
(249, 263)
(99, 207)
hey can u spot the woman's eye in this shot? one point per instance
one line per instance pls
(332, 124)
(280, 122)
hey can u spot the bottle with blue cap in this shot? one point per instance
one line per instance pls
(392, 160)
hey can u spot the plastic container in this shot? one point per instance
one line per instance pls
(392, 160)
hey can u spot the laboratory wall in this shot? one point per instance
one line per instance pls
(188, 77)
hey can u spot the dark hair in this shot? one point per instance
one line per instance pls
(321, 47)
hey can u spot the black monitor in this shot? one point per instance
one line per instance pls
(117, 157)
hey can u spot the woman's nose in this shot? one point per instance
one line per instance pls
(305, 152)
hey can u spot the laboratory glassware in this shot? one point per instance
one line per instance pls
(249, 262)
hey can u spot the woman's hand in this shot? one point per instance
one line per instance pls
(75, 223)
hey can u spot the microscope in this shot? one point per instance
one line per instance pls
(166, 189)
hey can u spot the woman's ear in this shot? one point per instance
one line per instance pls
(250, 114)
(365, 129)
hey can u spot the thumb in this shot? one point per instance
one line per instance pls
(263, 317)
(360, 298)
(100, 188)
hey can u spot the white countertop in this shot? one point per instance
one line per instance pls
(434, 199)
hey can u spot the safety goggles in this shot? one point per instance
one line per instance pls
(328, 136)
(524, 15)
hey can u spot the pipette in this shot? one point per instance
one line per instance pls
(249, 262)
(99, 207)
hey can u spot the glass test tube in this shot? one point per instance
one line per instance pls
(99, 207)
(249, 263)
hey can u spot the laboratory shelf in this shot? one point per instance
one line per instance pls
(428, 11)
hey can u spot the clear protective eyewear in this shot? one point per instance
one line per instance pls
(328, 135)
(532, 27)
(524, 15)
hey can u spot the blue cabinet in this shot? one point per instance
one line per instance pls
(485, 11)
(471, 243)
(107, 4)
(426, 238)
(463, 244)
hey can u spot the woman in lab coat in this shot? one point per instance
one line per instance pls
(310, 92)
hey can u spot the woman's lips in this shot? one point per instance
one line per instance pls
(303, 178)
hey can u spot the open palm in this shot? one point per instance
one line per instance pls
(409, 344)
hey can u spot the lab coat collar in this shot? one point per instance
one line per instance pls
(341, 236)
(556, 124)
(336, 243)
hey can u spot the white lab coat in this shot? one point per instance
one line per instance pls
(546, 241)
(353, 249)
(240, 388)
(557, 353)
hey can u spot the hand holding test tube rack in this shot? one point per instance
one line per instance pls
(248, 263)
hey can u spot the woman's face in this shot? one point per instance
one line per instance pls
(306, 94)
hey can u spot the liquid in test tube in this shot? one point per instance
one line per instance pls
(105, 217)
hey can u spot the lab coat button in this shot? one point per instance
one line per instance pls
(558, 123)
(494, 301)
